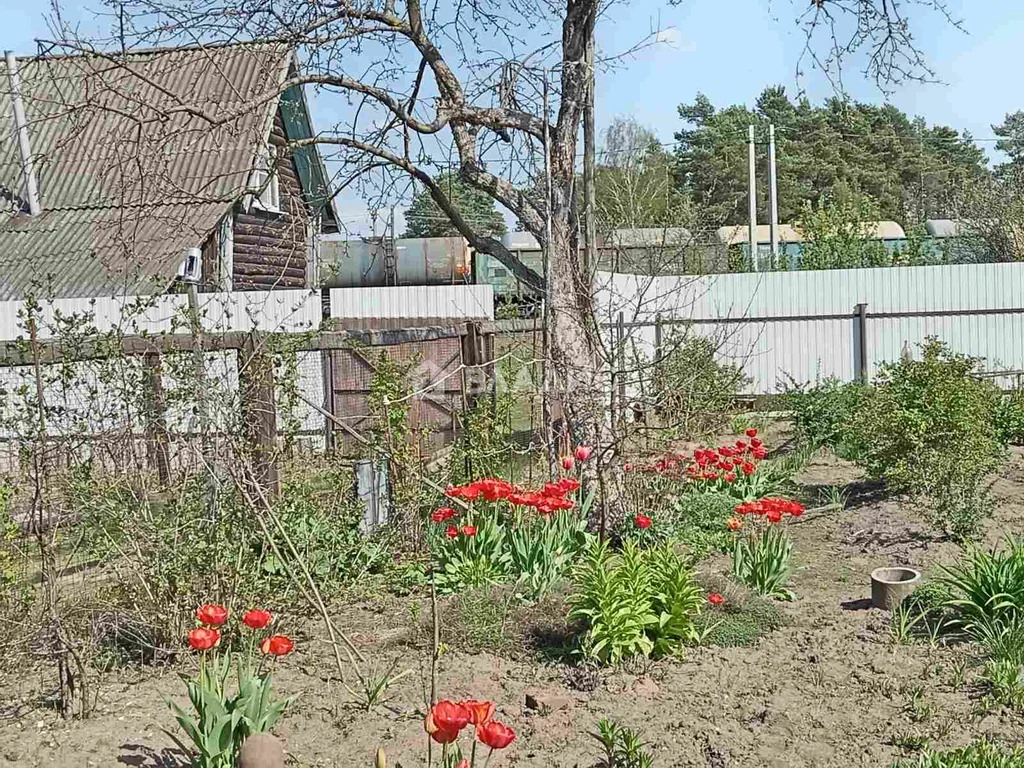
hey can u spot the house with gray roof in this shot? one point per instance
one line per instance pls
(112, 165)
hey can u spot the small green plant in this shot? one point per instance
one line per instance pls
(988, 590)
(374, 684)
(908, 741)
(1005, 682)
(835, 496)
(902, 622)
(958, 674)
(623, 747)
(742, 620)
(919, 709)
(982, 754)
(741, 422)
(634, 604)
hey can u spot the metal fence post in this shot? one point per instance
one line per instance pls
(861, 310)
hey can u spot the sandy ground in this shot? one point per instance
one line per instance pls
(830, 689)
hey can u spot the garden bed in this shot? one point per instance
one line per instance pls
(830, 688)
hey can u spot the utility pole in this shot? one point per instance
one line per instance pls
(589, 152)
(773, 194)
(752, 171)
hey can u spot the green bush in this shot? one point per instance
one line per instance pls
(928, 429)
(823, 415)
(982, 754)
(637, 603)
(1009, 418)
(696, 520)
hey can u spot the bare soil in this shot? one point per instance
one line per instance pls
(829, 689)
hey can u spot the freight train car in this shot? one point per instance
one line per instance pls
(372, 262)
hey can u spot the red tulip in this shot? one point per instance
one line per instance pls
(627, 467)
(442, 514)
(256, 619)
(773, 516)
(568, 463)
(451, 532)
(464, 763)
(729, 477)
(203, 639)
(740, 445)
(751, 432)
(495, 735)
(440, 735)
(748, 468)
(583, 452)
(449, 716)
(277, 645)
(715, 599)
(642, 521)
(759, 453)
(214, 615)
(755, 443)
(480, 712)
(469, 530)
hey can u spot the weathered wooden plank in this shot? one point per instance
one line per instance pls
(18, 353)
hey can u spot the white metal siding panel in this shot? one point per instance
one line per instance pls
(455, 302)
(808, 349)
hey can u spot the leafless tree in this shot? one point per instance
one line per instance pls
(493, 89)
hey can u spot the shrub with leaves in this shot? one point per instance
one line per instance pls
(638, 602)
(169, 554)
(823, 414)
(1009, 418)
(928, 429)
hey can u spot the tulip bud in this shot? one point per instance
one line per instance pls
(382, 759)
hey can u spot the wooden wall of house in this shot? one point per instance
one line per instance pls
(270, 249)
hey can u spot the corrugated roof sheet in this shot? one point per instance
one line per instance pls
(738, 233)
(649, 236)
(129, 172)
(126, 132)
(97, 252)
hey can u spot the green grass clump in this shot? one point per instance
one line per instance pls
(982, 754)
(742, 620)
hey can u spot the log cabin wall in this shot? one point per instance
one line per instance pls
(270, 249)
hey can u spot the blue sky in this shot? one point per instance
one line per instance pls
(731, 49)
